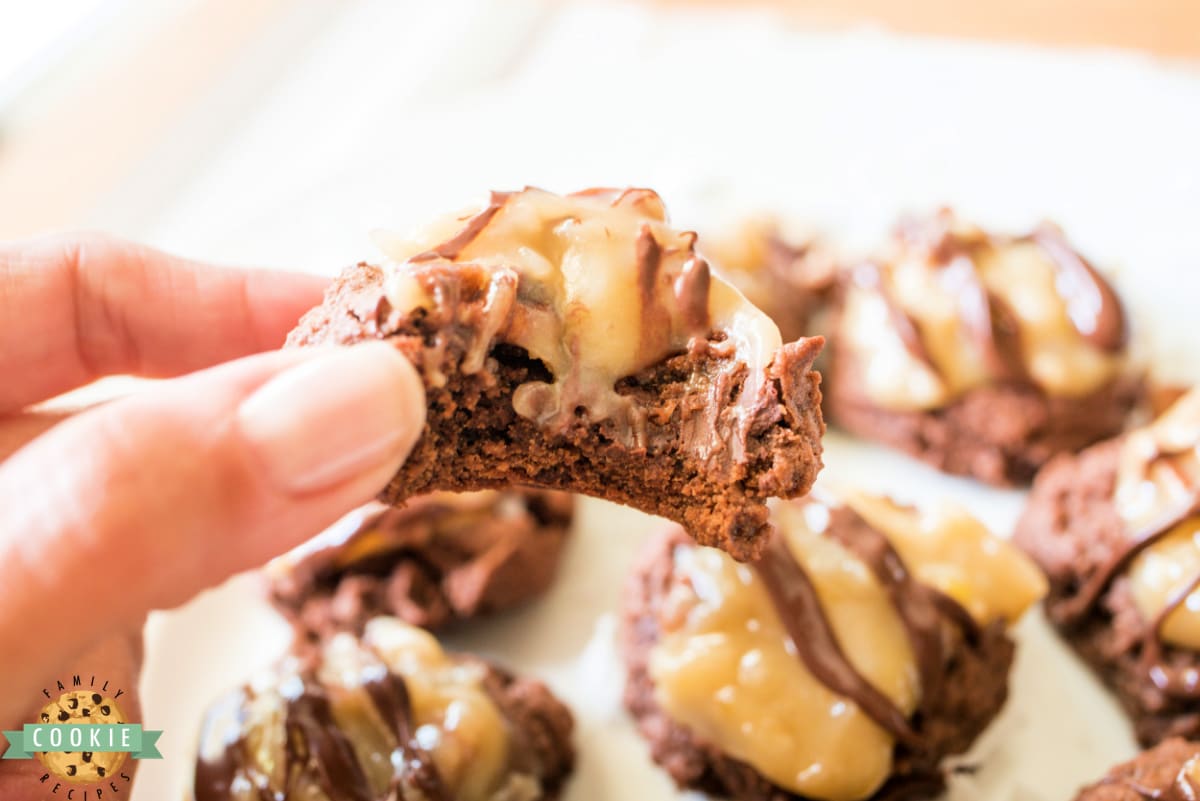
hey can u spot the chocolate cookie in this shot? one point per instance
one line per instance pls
(868, 644)
(440, 558)
(83, 707)
(386, 716)
(1167, 772)
(981, 355)
(1116, 528)
(789, 278)
(579, 343)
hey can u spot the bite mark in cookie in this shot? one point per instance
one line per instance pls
(441, 558)
(1116, 528)
(580, 343)
(865, 646)
(388, 715)
(981, 354)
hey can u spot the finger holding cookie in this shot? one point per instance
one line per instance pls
(179, 486)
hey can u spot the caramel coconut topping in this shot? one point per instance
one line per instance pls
(810, 664)
(953, 308)
(595, 285)
(1184, 786)
(1157, 496)
(392, 716)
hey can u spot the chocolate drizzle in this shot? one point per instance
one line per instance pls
(1082, 603)
(1091, 303)
(1182, 788)
(214, 778)
(1177, 682)
(451, 248)
(922, 611)
(1089, 594)
(795, 598)
(389, 695)
(920, 608)
(869, 276)
(989, 321)
(961, 278)
(691, 290)
(656, 320)
(979, 309)
(316, 748)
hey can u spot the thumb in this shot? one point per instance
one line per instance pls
(141, 503)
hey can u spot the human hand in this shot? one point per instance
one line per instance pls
(140, 503)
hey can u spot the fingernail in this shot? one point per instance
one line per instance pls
(334, 417)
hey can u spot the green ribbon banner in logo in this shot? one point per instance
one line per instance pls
(96, 737)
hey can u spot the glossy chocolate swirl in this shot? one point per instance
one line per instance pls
(1091, 304)
(1157, 491)
(922, 609)
(316, 747)
(441, 558)
(313, 743)
(452, 248)
(1184, 787)
(343, 723)
(971, 308)
(812, 634)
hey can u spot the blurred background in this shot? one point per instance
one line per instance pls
(282, 132)
(110, 109)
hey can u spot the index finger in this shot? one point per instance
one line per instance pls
(74, 308)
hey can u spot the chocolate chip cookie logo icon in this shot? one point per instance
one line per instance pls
(83, 737)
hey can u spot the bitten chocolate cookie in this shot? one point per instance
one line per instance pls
(981, 355)
(789, 278)
(1167, 772)
(579, 343)
(80, 707)
(1117, 530)
(867, 644)
(440, 558)
(386, 716)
